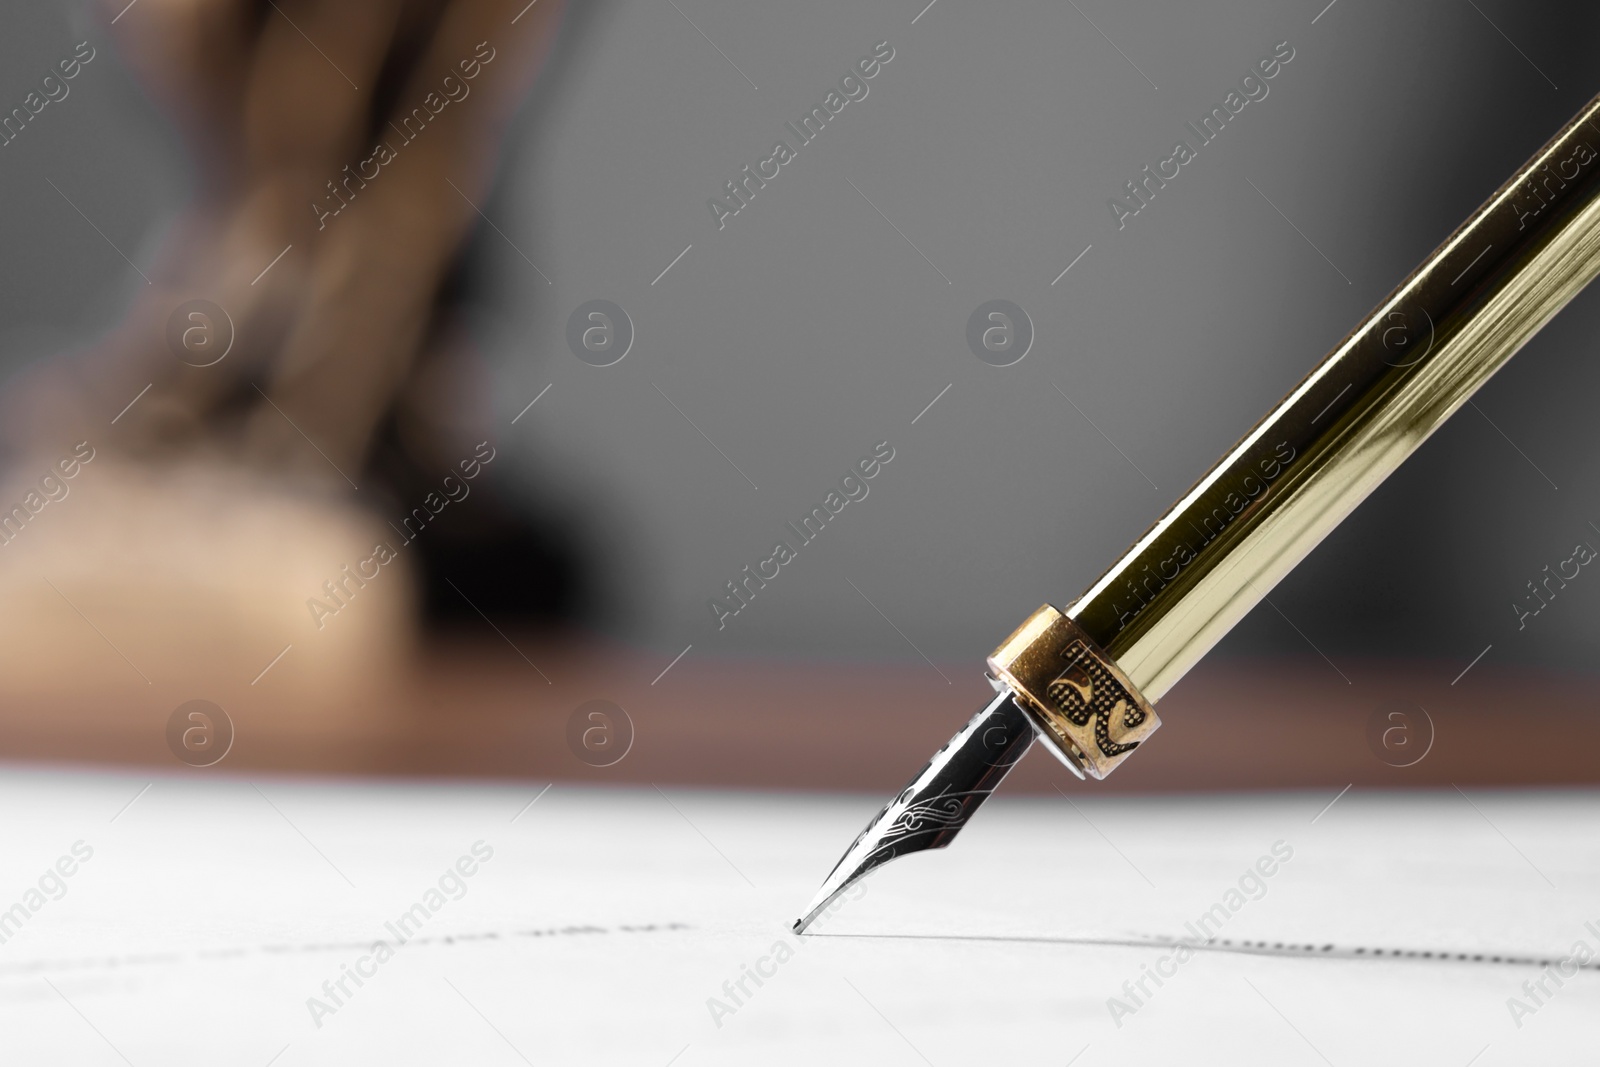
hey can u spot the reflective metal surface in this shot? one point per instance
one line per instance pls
(1265, 505)
(1404, 370)
(937, 803)
(1080, 701)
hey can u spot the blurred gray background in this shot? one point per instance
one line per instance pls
(810, 328)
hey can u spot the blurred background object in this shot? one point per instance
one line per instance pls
(769, 351)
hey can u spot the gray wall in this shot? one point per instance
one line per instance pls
(809, 327)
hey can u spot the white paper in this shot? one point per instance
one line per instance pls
(615, 926)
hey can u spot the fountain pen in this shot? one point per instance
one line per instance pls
(1084, 680)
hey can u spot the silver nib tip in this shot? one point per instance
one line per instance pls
(829, 893)
(933, 808)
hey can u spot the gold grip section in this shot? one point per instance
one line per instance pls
(1085, 705)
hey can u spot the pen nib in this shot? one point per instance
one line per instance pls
(933, 808)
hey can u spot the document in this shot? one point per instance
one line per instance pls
(256, 920)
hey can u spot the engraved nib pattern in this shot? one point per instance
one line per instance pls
(933, 808)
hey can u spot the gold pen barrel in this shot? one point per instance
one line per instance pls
(1369, 404)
